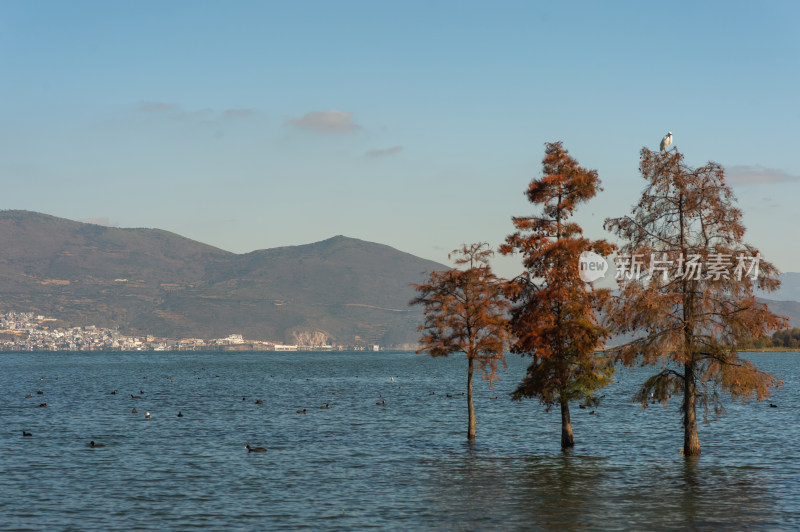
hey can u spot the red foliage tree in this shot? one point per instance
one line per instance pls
(553, 319)
(465, 312)
(686, 287)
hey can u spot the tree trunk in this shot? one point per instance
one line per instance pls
(567, 439)
(470, 408)
(691, 442)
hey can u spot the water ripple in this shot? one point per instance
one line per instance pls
(404, 465)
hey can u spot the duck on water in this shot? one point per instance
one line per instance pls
(255, 449)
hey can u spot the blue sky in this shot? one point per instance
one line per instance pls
(250, 125)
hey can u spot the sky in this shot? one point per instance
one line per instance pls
(251, 125)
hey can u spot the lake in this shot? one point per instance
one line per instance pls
(404, 465)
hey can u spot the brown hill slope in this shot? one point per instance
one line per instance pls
(156, 282)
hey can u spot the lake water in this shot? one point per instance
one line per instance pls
(405, 465)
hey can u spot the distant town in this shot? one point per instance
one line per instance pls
(27, 331)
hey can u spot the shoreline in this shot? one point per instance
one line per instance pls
(770, 350)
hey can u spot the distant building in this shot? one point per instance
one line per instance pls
(280, 347)
(233, 339)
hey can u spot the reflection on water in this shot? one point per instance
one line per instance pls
(570, 498)
(568, 491)
(404, 465)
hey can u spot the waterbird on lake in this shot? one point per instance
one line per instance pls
(133, 411)
(94, 445)
(40, 392)
(26, 433)
(147, 415)
(136, 396)
(381, 403)
(303, 411)
(114, 392)
(255, 449)
(773, 406)
(666, 141)
(28, 396)
(43, 405)
(180, 414)
(259, 402)
(325, 406)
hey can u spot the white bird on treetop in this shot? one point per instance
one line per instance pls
(666, 141)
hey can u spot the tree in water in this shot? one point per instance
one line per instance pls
(465, 312)
(686, 283)
(553, 319)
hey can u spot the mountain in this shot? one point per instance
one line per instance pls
(788, 291)
(785, 301)
(149, 281)
(787, 309)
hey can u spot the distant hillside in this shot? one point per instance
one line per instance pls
(785, 301)
(788, 309)
(149, 281)
(788, 291)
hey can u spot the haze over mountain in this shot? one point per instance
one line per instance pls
(785, 301)
(149, 281)
(788, 291)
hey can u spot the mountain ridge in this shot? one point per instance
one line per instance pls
(151, 281)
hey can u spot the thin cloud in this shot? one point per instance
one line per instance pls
(384, 152)
(750, 175)
(176, 112)
(331, 121)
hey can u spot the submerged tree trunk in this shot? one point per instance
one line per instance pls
(470, 408)
(567, 439)
(691, 442)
